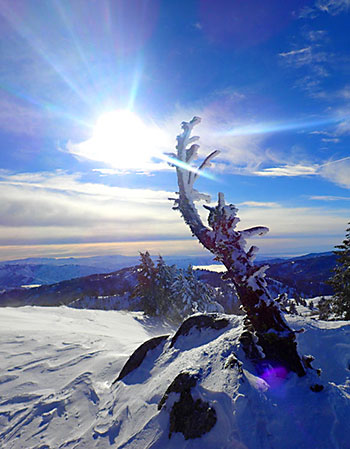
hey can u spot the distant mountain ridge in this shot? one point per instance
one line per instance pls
(43, 271)
(304, 276)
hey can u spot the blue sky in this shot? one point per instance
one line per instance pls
(93, 92)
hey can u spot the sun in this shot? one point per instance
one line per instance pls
(122, 139)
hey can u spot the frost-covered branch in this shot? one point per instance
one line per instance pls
(222, 219)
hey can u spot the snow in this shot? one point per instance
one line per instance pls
(58, 366)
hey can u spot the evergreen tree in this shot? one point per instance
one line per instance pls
(324, 308)
(146, 284)
(164, 279)
(172, 293)
(341, 279)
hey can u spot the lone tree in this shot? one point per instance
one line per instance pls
(267, 328)
(341, 279)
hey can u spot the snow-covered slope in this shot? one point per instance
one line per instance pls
(58, 366)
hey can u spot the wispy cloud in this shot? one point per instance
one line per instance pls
(329, 198)
(332, 7)
(288, 170)
(259, 204)
(330, 140)
(311, 58)
(337, 172)
(302, 56)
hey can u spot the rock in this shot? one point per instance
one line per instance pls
(139, 355)
(200, 322)
(193, 418)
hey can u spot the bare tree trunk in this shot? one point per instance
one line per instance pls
(268, 328)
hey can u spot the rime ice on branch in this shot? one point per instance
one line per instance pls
(267, 326)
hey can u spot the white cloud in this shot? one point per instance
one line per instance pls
(302, 56)
(313, 61)
(337, 172)
(295, 221)
(329, 198)
(288, 170)
(330, 140)
(58, 207)
(343, 128)
(332, 7)
(259, 204)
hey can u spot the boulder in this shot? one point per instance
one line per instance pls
(139, 355)
(193, 418)
(200, 322)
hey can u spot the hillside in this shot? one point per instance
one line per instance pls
(306, 274)
(118, 284)
(57, 385)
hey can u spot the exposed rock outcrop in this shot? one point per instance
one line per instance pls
(139, 355)
(200, 322)
(192, 417)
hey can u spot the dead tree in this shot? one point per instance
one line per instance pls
(267, 329)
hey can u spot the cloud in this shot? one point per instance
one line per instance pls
(59, 214)
(329, 198)
(291, 222)
(330, 140)
(60, 208)
(312, 59)
(337, 172)
(332, 7)
(189, 246)
(302, 56)
(259, 204)
(343, 128)
(288, 170)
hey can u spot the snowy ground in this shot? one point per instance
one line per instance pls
(58, 364)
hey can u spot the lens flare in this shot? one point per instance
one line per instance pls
(275, 127)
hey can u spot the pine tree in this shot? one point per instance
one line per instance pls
(324, 308)
(341, 279)
(164, 279)
(146, 284)
(172, 293)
